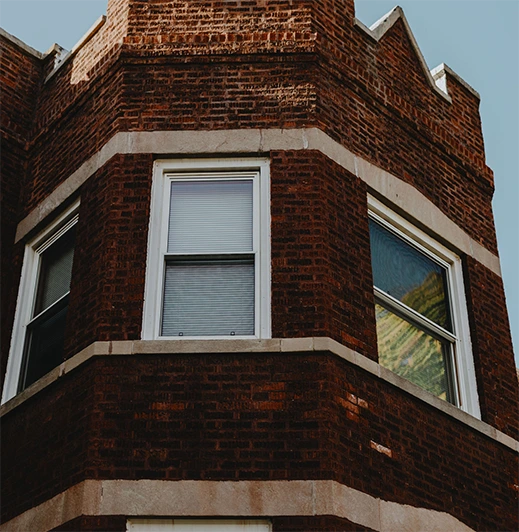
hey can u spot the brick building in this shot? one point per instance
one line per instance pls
(250, 279)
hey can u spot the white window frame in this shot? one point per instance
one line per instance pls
(464, 374)
(198, 525)
(167, 171)
(27, 295)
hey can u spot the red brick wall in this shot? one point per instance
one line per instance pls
(321, 274)
(253, 417)
(46, 444)
(375, 100)
(321, 278)
(211, 27)
(212, 65)
(61, 144)
(107, 291)
(20, 86)
(491, 343)
(372, 97)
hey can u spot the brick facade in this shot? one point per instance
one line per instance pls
(207, 66)
(253, 417)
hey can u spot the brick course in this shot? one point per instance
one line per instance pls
(490, 344)
(321, 274)
(253, 417)
(107, 290)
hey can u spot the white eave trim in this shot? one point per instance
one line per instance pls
(22, 45)
(68, 55)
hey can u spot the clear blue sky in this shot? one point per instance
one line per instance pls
(479, 40)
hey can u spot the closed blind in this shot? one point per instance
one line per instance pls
(208, 298)
(210, 217)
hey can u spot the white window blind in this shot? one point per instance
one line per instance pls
(210, 217)
(209, 298)
(209, 275)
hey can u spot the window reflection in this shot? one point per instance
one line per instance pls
(409, 276)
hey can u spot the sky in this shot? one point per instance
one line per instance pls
(478, 39)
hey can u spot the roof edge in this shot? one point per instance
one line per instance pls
(439, 75)
(86, 37)
(29, 49)
(379, 28)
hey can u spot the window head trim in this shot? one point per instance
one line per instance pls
(166, 172)
(464, 374)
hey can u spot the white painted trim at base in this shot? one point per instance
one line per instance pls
(273, 345)
(259, 141)
(191, 498)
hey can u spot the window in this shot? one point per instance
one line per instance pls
(38, 333)
(198, 525)
(208, 257)
(422, 326)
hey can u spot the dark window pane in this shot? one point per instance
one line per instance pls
(44, 350)
(55, 271)
(412, 353)
(408, 275)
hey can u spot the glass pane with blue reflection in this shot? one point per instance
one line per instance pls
(409, 276)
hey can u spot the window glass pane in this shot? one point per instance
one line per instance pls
(210, 216)
(412, 354)
(55, 271)
(45, 344)
(208, 298)
(408, 275)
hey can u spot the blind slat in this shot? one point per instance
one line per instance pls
(208, 298)
(210, 216)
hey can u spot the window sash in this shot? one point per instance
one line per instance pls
(211, 297)
(43, 354)
(418, 355)
(412, 315)
(28, 317)
(463, 370)
(256, 172)
(448, 339)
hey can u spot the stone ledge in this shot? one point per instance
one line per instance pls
(239, 141)
(273, 345)
(253, 498)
